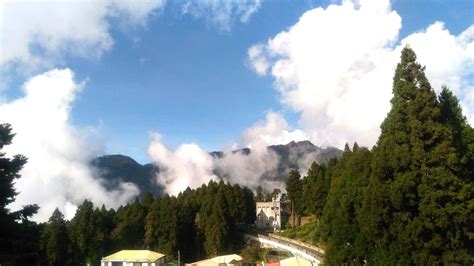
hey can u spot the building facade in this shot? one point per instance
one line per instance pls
(271, 214)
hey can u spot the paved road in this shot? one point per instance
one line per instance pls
(311, 253)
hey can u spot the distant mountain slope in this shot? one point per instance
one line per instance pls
(116, 168)
(300, 155)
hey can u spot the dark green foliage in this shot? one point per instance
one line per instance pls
(129, 226)
(253, 253)
(55, 240)
(315, 190)
(294, 191)
(18, 236)
(259, 197)
(410, 200)
(418, 205)
(340, 231)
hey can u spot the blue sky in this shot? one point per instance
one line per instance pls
(189, 79)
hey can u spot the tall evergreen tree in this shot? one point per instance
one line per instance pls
(17, 234)
(463, 133)
(55, 240)
(259, 197)
(340, 226)
(315, 189)
(415, 211)
(294, 190)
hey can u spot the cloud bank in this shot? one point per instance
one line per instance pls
(187, 166)
(43, 33)
(57, 173)
(191, 166)
(335, 67)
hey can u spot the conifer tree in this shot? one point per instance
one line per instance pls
(55, 240)
(315, 189)
(294, 189)
(340, 227)
(259, 197)
(16, 239)
(415, 211)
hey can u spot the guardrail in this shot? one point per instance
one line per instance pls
(308, 253)
(299, 243)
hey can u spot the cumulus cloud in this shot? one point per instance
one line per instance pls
(449, 60)
(191, 166)
(57, 173)
(274, 130)
(42, 33)
(222, 13)
(335, 67)
(187, 166)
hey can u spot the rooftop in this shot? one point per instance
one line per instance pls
(227, 259)
(135, 256)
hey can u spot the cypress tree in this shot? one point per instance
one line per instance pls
(294, 189)
(416, 210)
(55, 240)
(340, 222)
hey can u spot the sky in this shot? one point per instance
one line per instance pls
(168, 81)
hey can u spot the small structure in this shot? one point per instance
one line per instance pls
(295, 261)
(226, 260)
(271, 214)
(134, 258)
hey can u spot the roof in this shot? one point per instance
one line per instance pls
(295, 261)
(134, 255)
(228, 259)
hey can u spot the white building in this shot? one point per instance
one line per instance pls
(269, 214)
(134, 258)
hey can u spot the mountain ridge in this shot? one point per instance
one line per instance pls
(117, 168)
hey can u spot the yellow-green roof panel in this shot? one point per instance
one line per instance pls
(135, 255)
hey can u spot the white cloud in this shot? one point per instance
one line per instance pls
(187, 166)
(57, 173)
(449, 60)
(274, 130)
(248, 169)
(40, 33)
(221, 12)
(191, 166)
(335, 67)
(258, 60)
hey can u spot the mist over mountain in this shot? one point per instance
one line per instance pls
(115, 169)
